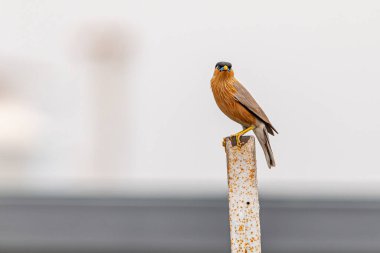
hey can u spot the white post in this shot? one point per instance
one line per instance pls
(243, 196)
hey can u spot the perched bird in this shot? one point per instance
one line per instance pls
(238, 104)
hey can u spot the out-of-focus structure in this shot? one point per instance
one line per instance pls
(21, 134)
(106, 49)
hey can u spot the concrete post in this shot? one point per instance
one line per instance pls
(243, 196)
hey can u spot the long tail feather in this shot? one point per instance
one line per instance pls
(262, 136)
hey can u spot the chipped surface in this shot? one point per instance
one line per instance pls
(243, 196)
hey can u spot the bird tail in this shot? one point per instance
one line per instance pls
(262, 136)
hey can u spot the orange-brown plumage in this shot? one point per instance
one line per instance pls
(238, 104)
(222, 85)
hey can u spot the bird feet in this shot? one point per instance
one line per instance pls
(238, 135)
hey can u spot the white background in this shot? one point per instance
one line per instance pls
(313, 66)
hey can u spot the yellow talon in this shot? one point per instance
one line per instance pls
(239, 134)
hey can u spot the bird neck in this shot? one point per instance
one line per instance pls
(223, 76)
(223, 82)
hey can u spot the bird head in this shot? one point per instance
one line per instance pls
(223, 69)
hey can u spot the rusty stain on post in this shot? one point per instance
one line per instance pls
(243, 196)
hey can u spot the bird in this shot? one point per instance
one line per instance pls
(234, 100)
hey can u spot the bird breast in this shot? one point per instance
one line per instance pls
(224, 91)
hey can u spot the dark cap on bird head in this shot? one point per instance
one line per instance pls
(223, 66)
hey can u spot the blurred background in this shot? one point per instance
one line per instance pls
(110, 139)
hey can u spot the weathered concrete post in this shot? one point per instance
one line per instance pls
(243, 196)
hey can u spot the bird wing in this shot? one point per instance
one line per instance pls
(246, 99)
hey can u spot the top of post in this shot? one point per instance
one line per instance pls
(243, 140)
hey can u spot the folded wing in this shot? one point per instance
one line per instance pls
(246, 100)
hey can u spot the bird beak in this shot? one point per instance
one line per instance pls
(225, 68)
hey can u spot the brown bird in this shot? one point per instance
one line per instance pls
(238, 104)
